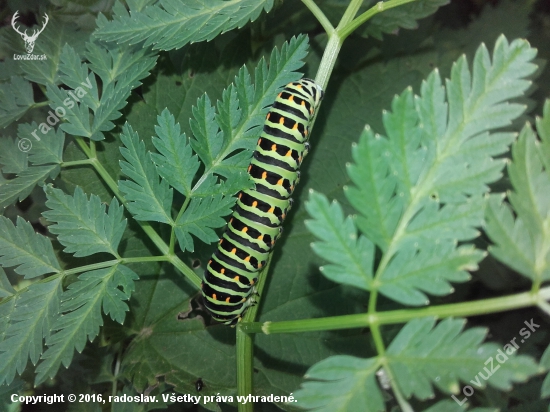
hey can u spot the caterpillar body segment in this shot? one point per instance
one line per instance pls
(229, 281)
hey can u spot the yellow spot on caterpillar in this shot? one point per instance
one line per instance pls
(210, 261)
(282, 120)
(261, 237)
(306, 132)
(245, 229)
(252, 282)
(280, 94)
(221, 240)
(303, 103)
(291, 188)
(214, 296)
(243, 300)
(264, 175)
(291, 98)
(274, 147)
(254, 203)
(271, 210)
(247, 259)
(234, 250)
(269, 114)
(283, 216)
(280, 181)
(299, 86)
(289, 153)
(230, 221)
(295, 127)
(227, 300)
(311, 111)
(249, 167)
(299, 159)
(240, 194)
(222, 271)
(236, 278)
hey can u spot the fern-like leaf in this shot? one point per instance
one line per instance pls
(148, 198)
(523, 243)
(241, 112)
(171, 24)
(48, 149)
(420, 357)
(342, 383)
(82, 225)
(200, 218)
(175, 161)
(16, 98)
(81, 318)
(351, 256)
(419, 191)
(12, 159)
(30, 321)
(121, 71)
(18, 188)
(423, 355)
(20, 246)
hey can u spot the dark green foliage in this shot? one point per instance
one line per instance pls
(416, 248)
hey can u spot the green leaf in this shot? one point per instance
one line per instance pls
(404, 16)
(545, 363)
(148, 199)
(20, 246)
(19, 188)
(351, 258)
(16, 98)
(12, 158)
(341, 383)
(172, 24)
(422, 355)
(176, 162)
(47, 150)
(419, 190)
(81, 318)
(429, 270)
(6, 289)
(82, 225)
(117, 84)
(242, 111)
(522, 243)
(30, 321)
(200, 218)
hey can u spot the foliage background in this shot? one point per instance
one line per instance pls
(163, 340)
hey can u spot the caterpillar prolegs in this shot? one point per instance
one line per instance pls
(257, 219)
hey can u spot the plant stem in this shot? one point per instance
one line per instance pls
(318, 13)
(245, 343)
(334, 45)
(374, 10)
(363, 320)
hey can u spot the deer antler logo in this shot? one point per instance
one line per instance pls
(29, 40)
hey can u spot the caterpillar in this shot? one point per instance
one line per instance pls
(256, 223)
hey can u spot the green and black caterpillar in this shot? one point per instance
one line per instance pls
(257, 219)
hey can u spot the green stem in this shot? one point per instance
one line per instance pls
(173, 230)
(334, 45)
(245, 343)
(76, 163)
(374, 10)
(318, 13)
(363, 320)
